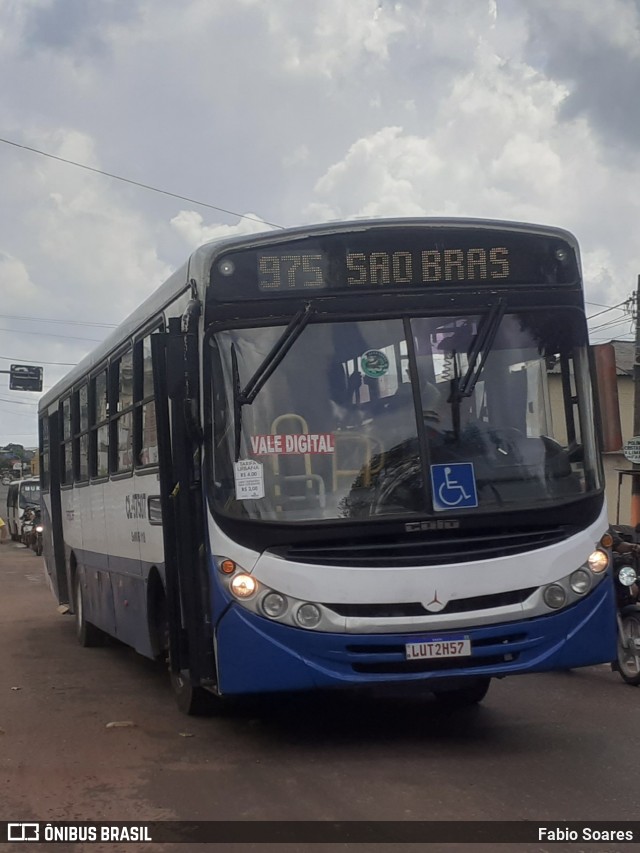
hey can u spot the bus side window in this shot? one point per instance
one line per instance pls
(98, 419)
(122, 417)
(66, 460)
(81, 430)
(146, 437)
(44, 451)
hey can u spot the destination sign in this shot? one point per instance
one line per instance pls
(395, 258)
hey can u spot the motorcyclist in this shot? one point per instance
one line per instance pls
(620, 546)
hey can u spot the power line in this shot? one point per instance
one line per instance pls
(613, 321)
(32, 416)
(16, 402)
(63, 322)
(610, 308)
(18, 360)
(51, 335)
(138, 184)
(612, 324)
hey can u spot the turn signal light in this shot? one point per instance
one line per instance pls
(227, 567)
(607, 540)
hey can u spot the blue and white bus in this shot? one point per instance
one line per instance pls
(349, 455)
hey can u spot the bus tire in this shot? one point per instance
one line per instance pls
(88, 635)
(193, 701)
(464, 697)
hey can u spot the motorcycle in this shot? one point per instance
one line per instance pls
(27, 525)
(627, 586)
(35, 541)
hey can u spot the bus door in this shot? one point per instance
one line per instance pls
(175, 370)
(13, 521)
(54, 538)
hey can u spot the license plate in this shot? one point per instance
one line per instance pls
(451, 647)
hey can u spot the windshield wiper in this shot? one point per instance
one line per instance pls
(462, 387)
(246, 396)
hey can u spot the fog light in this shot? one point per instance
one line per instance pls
(598, 562)
(580, 581)
(243, 586)
(554, 596)
(627, 576)
(274, 605)
(308, 615)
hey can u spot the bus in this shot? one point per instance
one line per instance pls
(20, 495)
(352, 455)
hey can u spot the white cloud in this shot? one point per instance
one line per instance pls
(16, 287)
(190, 225)
(87, 227)
(332, 37)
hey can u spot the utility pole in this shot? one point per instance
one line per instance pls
(635, 479)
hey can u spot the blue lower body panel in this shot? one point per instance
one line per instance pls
(258, 655)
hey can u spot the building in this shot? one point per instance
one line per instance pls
(615, 461)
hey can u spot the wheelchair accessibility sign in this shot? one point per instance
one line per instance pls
(454, 486)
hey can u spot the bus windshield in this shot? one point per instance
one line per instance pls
(376, 418)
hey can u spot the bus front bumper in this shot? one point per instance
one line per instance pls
(256, 655)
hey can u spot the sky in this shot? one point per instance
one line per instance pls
(290, 112)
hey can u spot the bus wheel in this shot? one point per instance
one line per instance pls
(88, 635)
(194, 701)
(464, 697)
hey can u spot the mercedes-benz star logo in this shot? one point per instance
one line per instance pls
(435, 605)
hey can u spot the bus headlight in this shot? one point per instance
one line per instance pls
(580, 581)
(627, 576)
(598, 561)
(243, 586)
(554, 596)
(308, 616)
(274, 605)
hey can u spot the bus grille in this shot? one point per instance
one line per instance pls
(460, 605)
(424, 550)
